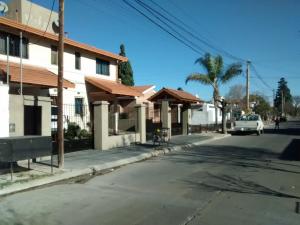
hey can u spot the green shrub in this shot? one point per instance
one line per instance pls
(73, 131)
(84, 134)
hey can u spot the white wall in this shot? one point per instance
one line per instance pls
(205, 114)
(40, 55)
(4, 112)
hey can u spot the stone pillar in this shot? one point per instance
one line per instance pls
(178, 113)
(45, 103)
(141, 122)
(116, 117)
(166, 116)
(4, 110)
(186, 121)
(100, 125)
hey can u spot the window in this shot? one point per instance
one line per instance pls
(14, 45)
(79, 106)
(77, 61)
(102, 67)
(54, 55)
(2, 43)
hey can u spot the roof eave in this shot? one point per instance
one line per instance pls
(53, 37)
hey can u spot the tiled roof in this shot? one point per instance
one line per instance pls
(113, 87)
(180, 96)
(32, 75)
(142, 88)
(53, 37)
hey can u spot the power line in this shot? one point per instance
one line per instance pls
(260, 77)
(186, 30)
(45, 31)
(161, 27)
(29, 14)
(156, 14)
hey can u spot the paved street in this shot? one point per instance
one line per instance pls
(243, 179)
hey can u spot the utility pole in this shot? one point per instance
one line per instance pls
(60, 128)
(282, 103)
(248, 86)
(273, 98)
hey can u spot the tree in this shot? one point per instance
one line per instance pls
(236, 93)
(296, 104)
(261, 105)
(214, 76)
(125, 69)
(287, 100)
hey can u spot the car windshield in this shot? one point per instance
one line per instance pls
(249, 118)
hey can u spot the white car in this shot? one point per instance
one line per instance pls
(249, 123)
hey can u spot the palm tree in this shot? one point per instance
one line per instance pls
(215, 75)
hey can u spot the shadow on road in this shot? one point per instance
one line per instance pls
(292, 151)
(255, 158)
(224, 182)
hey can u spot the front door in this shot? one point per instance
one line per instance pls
(32, 120)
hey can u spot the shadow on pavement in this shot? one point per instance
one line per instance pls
(224, 182)
(255, 158)
(292, 151)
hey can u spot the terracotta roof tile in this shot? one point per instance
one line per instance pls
(113, 87)
(142, 88)
(32, 75)
(180, 96)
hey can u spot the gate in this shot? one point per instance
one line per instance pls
(176, 119)
(78, 130)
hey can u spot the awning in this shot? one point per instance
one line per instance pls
(106, 87)
(32, 75)
(175, 96)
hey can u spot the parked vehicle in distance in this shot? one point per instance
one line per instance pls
(249, 123)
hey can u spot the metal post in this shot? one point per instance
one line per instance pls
(60, 130)
(282, 104)
(248, 86)
(21, 63)
(7, 57)
(11, 171)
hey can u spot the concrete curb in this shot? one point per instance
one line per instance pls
(69, 174)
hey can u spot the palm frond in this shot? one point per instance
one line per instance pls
(218, 64)
(232, 71)
(205, 62)
(197, 77)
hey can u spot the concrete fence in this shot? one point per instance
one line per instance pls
(102, 139)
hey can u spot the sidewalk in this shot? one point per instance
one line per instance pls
(89, 162)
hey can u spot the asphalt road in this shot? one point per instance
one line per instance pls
(239, 180)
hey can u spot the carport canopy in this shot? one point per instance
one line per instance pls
(174, 96)
(107, 90)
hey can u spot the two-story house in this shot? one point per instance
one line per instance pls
(90, 73)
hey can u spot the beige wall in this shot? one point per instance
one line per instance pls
(16, 113)
(39, 16)
(102, 140)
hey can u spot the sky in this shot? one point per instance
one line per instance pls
(266, 32)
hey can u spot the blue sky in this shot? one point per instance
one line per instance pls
(267, 32)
